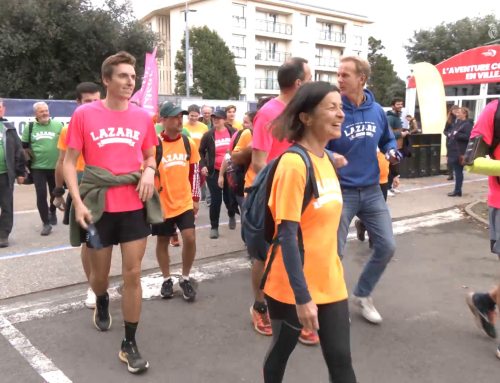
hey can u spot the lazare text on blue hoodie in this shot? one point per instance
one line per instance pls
(364, 128)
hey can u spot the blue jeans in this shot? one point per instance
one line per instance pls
(369, 205)
(459, 177)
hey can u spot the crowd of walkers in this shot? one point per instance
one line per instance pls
(319, 154)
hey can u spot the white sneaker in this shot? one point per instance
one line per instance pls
(396, 191)
(390, 193)
(90, 301)
(368, 311)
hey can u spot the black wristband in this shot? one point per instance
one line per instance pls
(58, 192)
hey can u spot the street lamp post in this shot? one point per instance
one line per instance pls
(187, 48)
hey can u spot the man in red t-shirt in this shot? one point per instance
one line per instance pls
(118, 137)
(483, 305)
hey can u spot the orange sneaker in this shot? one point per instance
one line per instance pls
(174, 241)
(261, 322)
(309, 338)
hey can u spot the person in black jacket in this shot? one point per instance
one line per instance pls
(450, 121)
(12, 167)
(213, 147)
(458, 140)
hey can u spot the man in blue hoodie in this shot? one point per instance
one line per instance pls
(364, 129)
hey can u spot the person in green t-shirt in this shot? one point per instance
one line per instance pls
(159, 129)
(11, 168)
(43, 146)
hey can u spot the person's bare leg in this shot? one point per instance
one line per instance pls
(162, 255)
(188, 250)
(132, 254)
(258, 269)
(100, 264)
(85, 261)
(495, 295)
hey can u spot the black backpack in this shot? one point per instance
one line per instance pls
(496, 135)
(236, 173)
(159, 154)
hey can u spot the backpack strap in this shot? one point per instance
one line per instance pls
(159, 156)
(30, 132)
(187, 146)
(237, 139)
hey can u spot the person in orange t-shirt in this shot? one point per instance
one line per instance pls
(311, 294)
(86, 92)
(179, 185)
(385, 169)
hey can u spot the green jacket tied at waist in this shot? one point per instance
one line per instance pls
(95, 183)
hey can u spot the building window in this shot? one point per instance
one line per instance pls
(319, 52)
(239, 19)
(304, 19)
(462, 90)
(243, 97)
(358, 40)
(494, 88)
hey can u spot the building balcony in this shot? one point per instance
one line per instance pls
(239, 52)
(243, 82)
(273, 56)
(335, 37)
(239, 22)
(266, 84)
(330, 62)
(271, 26)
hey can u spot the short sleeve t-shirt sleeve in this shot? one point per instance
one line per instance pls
(61, 144)
(195, 154)
(245, 139)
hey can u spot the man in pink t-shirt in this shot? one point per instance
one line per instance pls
(291, 75)
(483, 305)
(118, 136)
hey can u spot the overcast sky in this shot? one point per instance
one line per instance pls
(394, 22)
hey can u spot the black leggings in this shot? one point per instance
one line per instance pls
(42, 178)
(334, 335)
(217, 195)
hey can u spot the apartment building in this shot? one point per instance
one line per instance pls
(262, 34)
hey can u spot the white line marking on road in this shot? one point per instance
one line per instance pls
(151, 284)
(26, 212)
(42, 365)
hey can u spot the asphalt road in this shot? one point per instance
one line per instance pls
(427, 335)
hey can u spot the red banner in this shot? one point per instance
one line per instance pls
(147, 96)
(475, 66)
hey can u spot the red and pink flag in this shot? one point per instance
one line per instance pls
(147, 96)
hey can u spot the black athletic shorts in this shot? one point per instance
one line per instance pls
(115, 228)
(168, 228)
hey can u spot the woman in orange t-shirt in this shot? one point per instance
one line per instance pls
(311, 294)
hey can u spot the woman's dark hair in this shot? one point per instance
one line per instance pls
(251, 115)
(194, 108)
(263, 101)
(451, 116)
(287, 126)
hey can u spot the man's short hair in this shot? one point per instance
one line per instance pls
(229, 107)
(291, 71)
(409, 116)
(86, 87)
(362, 65)
(39, 103)
(194, 108)
(117, 59)
(395, 100)
(206, 106)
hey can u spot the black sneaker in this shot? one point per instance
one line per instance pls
(102, 317)
(130, 354)
(360, 229)
(47, 229)
(167, 289)
(484, 317)
(188, 292)
(4, 242)
(53, 218)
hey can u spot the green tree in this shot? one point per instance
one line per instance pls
(446, 40)
(48, 47)
(384, 83)
(214, 72)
